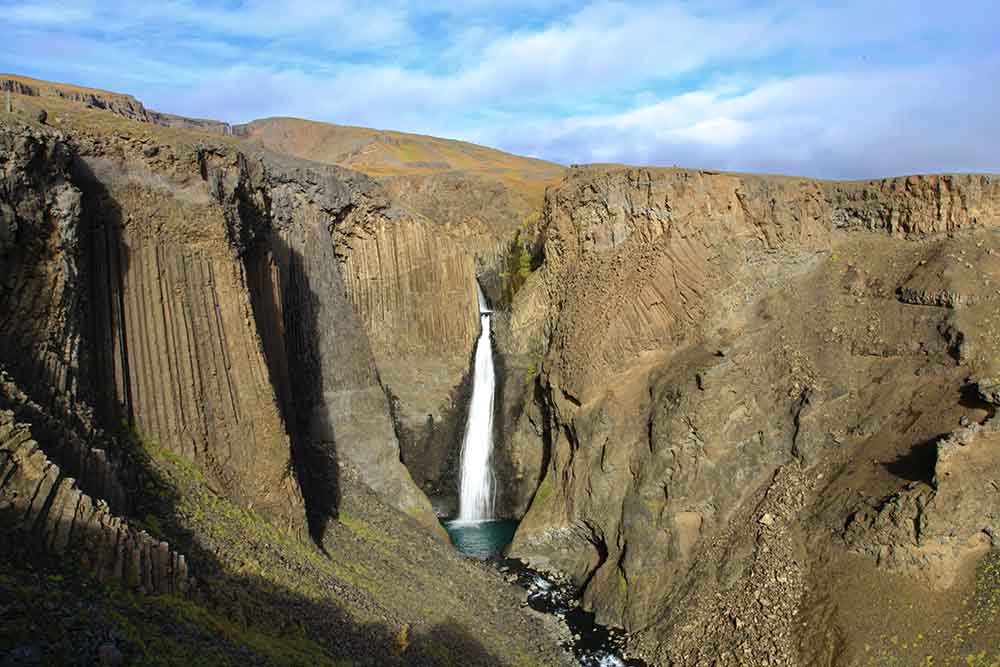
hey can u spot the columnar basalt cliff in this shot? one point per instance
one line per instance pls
(43, 508)
(175, 286)
(179, 343)
(414, 289)
(727, 356)
(411, 276)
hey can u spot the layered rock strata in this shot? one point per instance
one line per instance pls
(702, 331)
(116, 103)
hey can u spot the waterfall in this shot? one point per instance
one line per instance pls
(477, 493)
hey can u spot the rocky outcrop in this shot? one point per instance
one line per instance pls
(912, 205)
(930, 532)
(43, 510)
(702, 331)
(122, 105)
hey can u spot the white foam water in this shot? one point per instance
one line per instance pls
(476, 493)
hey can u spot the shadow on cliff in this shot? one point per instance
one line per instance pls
(92, 256)
(55, 395)
(106, 372)
(433, 454)
(285, 306)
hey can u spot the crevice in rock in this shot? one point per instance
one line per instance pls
(917, 465)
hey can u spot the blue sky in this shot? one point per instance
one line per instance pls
(842, 90)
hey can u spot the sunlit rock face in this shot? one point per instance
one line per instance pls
(720, 347)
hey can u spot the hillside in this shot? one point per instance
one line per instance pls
(385, 153)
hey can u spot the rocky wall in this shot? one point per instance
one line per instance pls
(44, 514)
(705, 330)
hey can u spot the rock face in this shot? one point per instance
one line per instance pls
(337, 395)
(725, 356)
(412, 277)
(177, 293)
(41, 507)
(414, 289)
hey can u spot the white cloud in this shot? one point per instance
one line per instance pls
(723, 84)
(47, 15)
(844, 125)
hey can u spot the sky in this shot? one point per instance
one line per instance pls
(850, 89)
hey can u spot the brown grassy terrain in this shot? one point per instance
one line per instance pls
(386, 153)
(64, 87)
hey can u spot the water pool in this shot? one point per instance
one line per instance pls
(484, 540)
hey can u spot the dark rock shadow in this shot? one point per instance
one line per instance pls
(45, 370)
(104, 265)
(76, 406)
(917, 465)
(433, 454)
(971, 399)
(285, 307)
(503, 466)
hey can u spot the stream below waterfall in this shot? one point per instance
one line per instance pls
(593, 645)
(477, 534)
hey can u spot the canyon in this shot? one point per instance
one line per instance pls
(751, 418)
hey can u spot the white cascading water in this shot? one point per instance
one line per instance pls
(476, 492)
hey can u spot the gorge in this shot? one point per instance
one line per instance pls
(747, 419)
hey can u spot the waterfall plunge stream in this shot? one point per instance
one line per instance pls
(476, 533)
(477, 484)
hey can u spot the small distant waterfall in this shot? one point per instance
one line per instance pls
(477, 492)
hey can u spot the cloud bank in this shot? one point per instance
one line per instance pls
(844, 90)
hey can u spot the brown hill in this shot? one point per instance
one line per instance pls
(386, 153)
